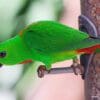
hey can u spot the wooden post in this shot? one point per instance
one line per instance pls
(89, 21)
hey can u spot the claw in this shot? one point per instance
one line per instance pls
(41, 71)
(74, 69)
(77, 68)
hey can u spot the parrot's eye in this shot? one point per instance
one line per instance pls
(2, 54)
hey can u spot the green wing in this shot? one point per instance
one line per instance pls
(51, 37)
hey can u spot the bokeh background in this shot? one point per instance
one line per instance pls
(20, 82)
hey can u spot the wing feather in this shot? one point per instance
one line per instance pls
(51, 37)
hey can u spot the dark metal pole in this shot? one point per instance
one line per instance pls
(89, 21)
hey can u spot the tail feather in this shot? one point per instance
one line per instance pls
(89, 45)
(89, 50)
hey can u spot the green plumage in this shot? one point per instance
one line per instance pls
(51, 37)
(45, 41)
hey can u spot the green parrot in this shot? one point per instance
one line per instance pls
(48, 42)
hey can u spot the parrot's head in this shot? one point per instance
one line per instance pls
(6, 53)
(12, 52)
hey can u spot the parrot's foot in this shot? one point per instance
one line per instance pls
(42, 71)
(77, 68)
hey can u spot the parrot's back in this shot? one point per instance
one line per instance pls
(51, 37)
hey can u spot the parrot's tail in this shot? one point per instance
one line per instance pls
(89, 45)
(89, 50)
